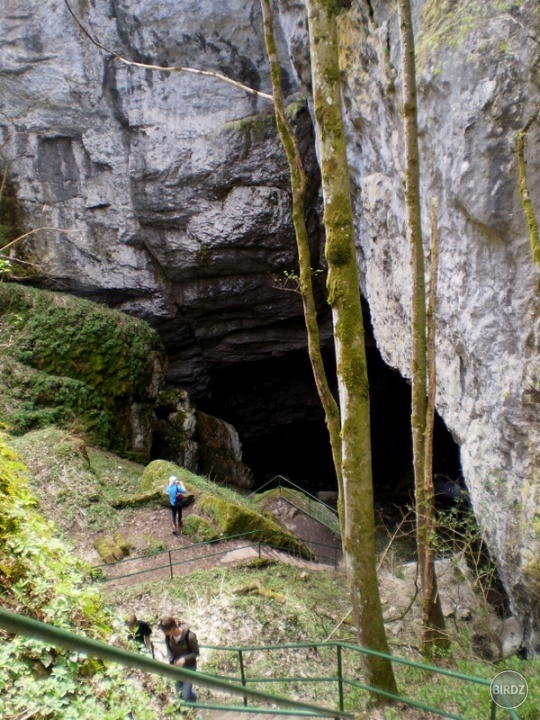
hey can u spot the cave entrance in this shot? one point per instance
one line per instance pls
(273, 404)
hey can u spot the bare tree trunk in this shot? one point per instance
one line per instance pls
(357, 513)
(432, 612)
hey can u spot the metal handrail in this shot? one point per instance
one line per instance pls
(20, 624)
(280, 487)
(335, 530)
(341, 680)
(170, 565)
(294, 485)
(16, 623)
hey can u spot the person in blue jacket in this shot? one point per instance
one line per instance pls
(176, 492)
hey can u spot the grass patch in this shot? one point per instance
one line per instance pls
(75, 483)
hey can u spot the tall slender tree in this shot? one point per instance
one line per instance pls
(352, 456)
(348, 424)
(298, 191)
(526, 203)
(433, 626)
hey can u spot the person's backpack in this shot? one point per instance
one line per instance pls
(180, 497)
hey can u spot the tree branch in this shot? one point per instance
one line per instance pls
(175, 68)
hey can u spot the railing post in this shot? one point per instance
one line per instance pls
(340, 677)
(242, 673)
(170, 564)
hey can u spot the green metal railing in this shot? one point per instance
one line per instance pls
(342, 682)
(321, 548)
(216, 549)
(279, 482)
(19, 624)
(22, 625)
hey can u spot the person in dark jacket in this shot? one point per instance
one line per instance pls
(182, 650)
(139, 632)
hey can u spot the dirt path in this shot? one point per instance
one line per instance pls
(144, 529)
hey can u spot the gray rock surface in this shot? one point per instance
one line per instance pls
(172, 189)
(174, 193)
(478, 83)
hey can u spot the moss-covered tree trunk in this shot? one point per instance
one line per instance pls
(433, 620)
(526, 203)
(298, 188)
(433, 625)
(357, 513)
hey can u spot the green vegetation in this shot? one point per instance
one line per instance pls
(40, 576)
(261, 602)
(447, 23)
(73, 363)
(275, 604)
(83, 487)
(199, 529)
(253, 127)
(76, 485)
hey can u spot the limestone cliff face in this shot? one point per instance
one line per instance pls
(174, 188)
(174, 191)
(479, 80)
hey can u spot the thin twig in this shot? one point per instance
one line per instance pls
(161, 68)
(35, 230)
(340, 623)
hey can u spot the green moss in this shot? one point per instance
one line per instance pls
(449, 23)
(217, 456)
(41, 578)
(295, 108)
(69, 361)
(199, 529)
(526, 202)
(109, 550)
(11, 220)
(139, 500)
(74, 481)
(156, 475)
(233, 519)
(253, 127)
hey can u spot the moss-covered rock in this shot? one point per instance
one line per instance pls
(199, 529)
(156, 475)
(234, 519)
(112, 547)
(74, 363)
(221, 452)
(175, 429)
(138, 500)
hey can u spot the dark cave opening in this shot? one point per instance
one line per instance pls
(274, 406)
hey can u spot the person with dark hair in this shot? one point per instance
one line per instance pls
(176, 492)
(182, 650)
(139, 632)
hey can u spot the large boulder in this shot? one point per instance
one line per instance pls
(221, 452)
(77, 364)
